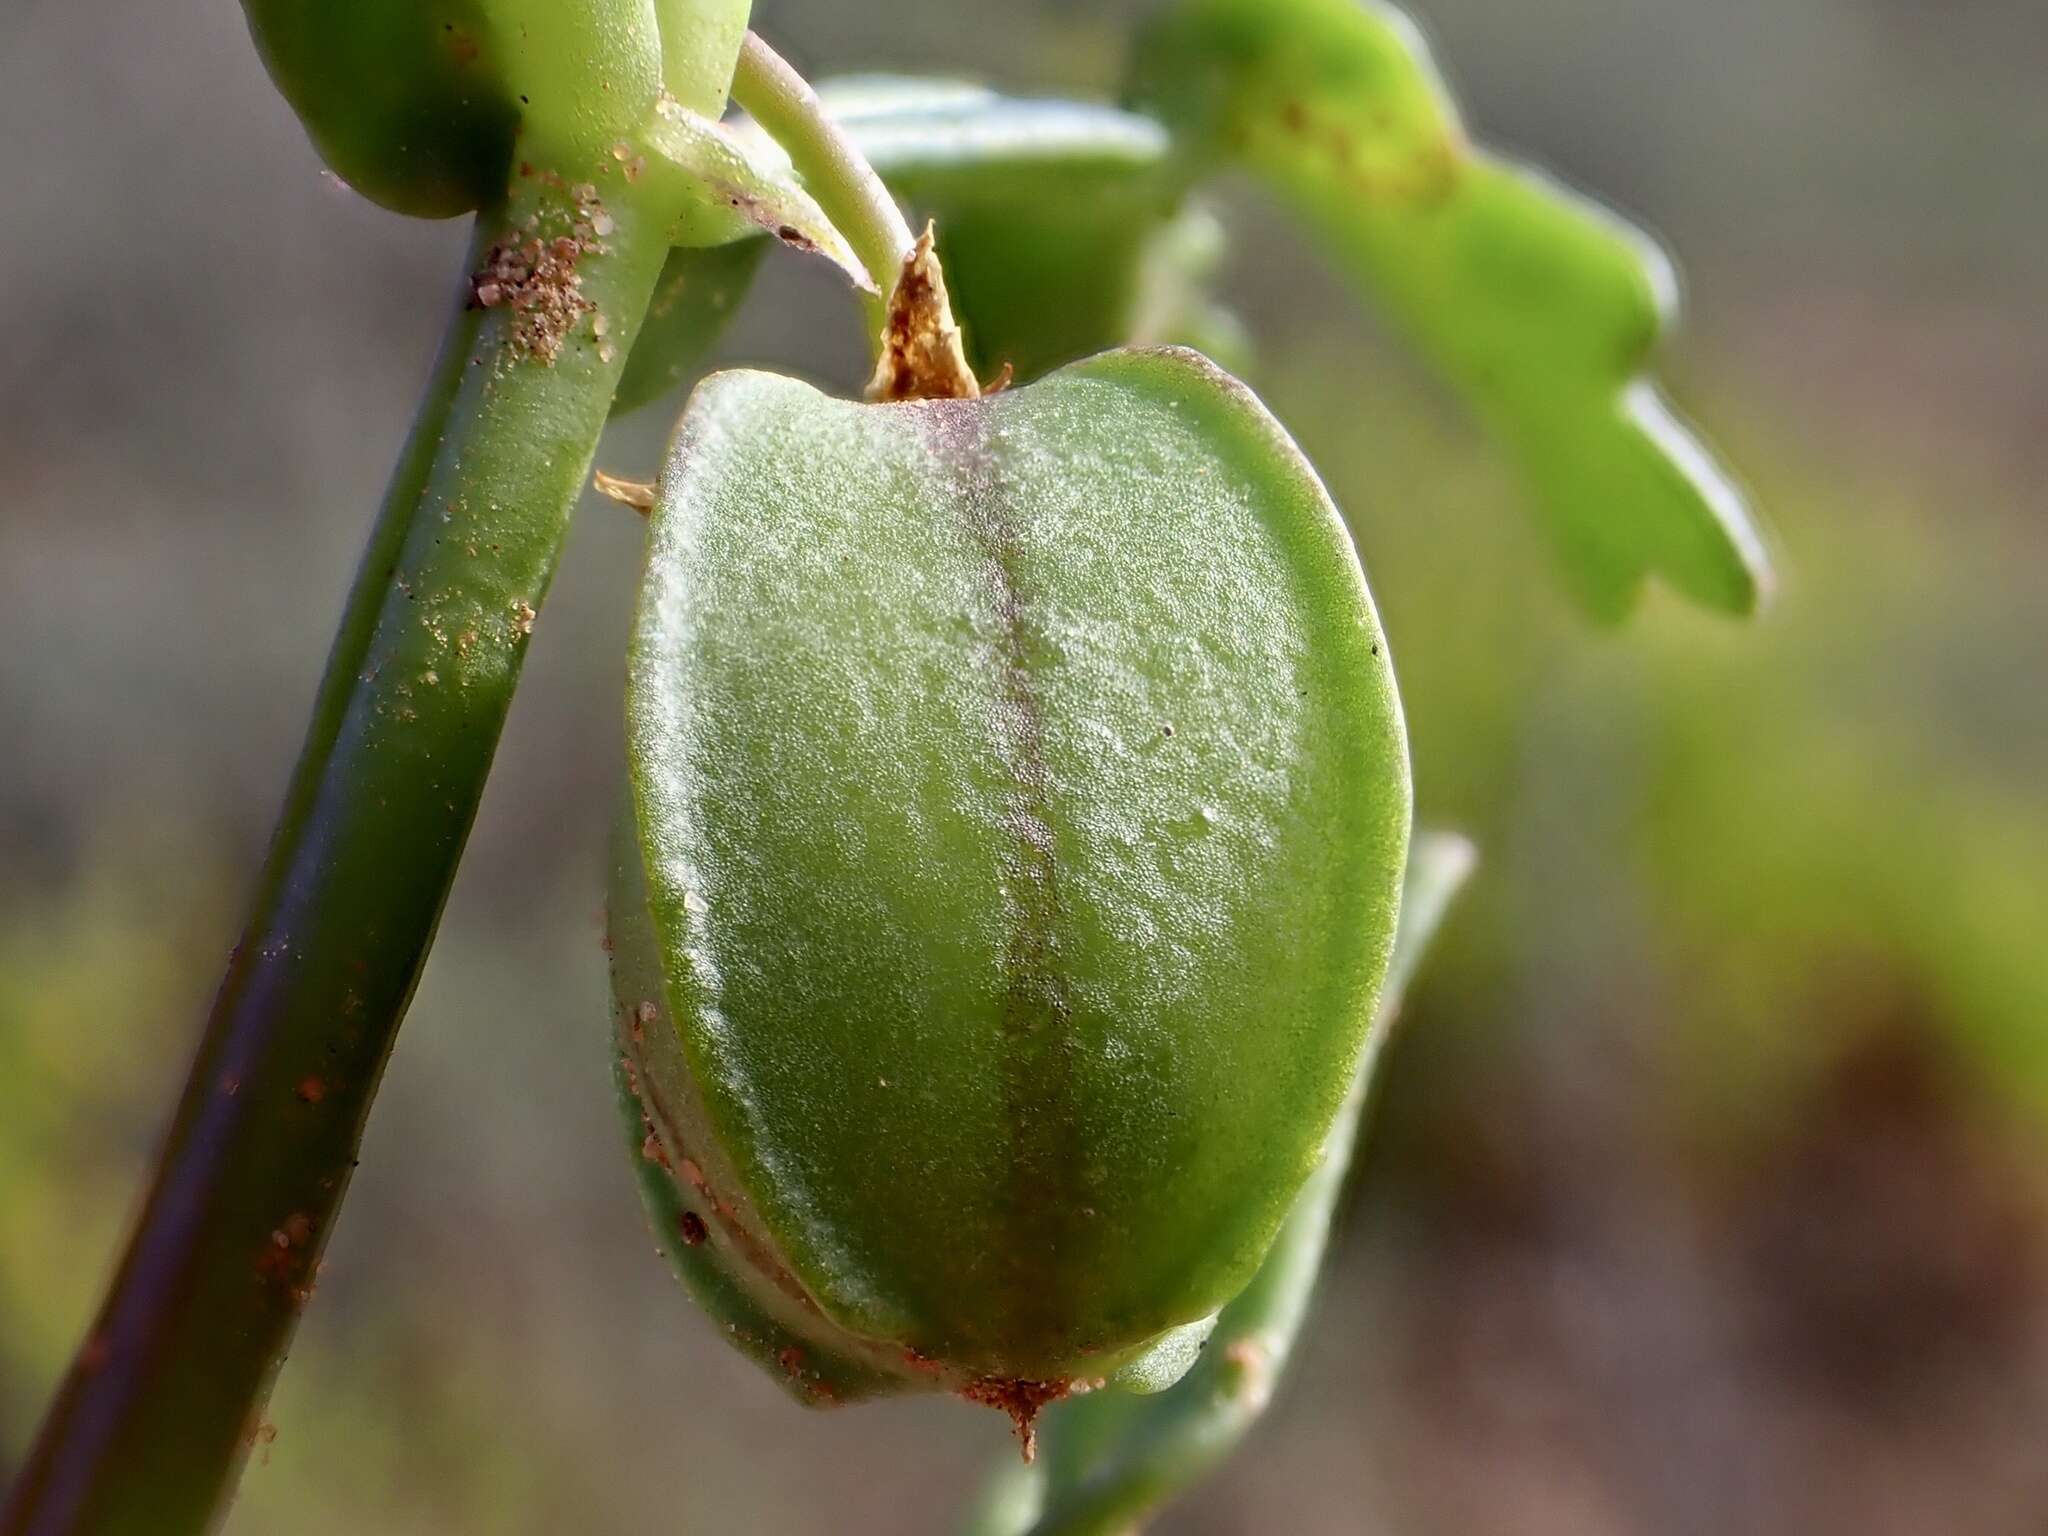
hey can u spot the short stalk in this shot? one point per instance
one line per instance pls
(833, 169)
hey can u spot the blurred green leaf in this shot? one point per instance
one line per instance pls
(1044, 209)
(929, 135)
(1542, 308)
(1113, 1458)
(1060, 222)
(694, 300)
(1175, 305)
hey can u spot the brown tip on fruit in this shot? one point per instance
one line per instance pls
(1021, 1400)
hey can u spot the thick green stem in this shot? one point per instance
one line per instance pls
(166, 1396)
(833, 169)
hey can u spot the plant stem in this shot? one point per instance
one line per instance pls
(166, 1397)
(834, 171)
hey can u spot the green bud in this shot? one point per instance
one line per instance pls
(421, 105)
(1019, 800)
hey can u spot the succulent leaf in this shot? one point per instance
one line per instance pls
(1541, 308)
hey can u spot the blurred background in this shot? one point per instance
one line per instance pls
(1707, 1189)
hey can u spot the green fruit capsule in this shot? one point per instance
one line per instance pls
(1019, 800)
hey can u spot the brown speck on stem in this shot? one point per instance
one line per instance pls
(652, 1149)
(921, 354)
(1254, 1371)
(690, 1226)
(282, 1260)
(312, 1090)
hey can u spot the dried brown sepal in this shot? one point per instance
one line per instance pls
(1021, 1400)
(922, 358)
(637, 494)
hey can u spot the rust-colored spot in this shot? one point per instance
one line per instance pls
(691, 1228)
(312, 1090)
(282, 1260)
(652, 1149)
(1254, 1363)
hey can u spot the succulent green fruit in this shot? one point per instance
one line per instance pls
(1018, 807)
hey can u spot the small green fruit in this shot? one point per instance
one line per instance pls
(420, 104)
(1019, 801)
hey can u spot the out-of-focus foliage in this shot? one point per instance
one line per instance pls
(700, 289)
(1045, 209)
(1541, 307)
(96, 987)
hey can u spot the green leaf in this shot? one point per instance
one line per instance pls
(1542, 308)
(733, 183)
(1045, 210)
(1113, 1457)
(694, 301)
(1022, 799)
(926, 135)
(1056, 219)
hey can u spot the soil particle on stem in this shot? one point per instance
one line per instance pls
(534, 272)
